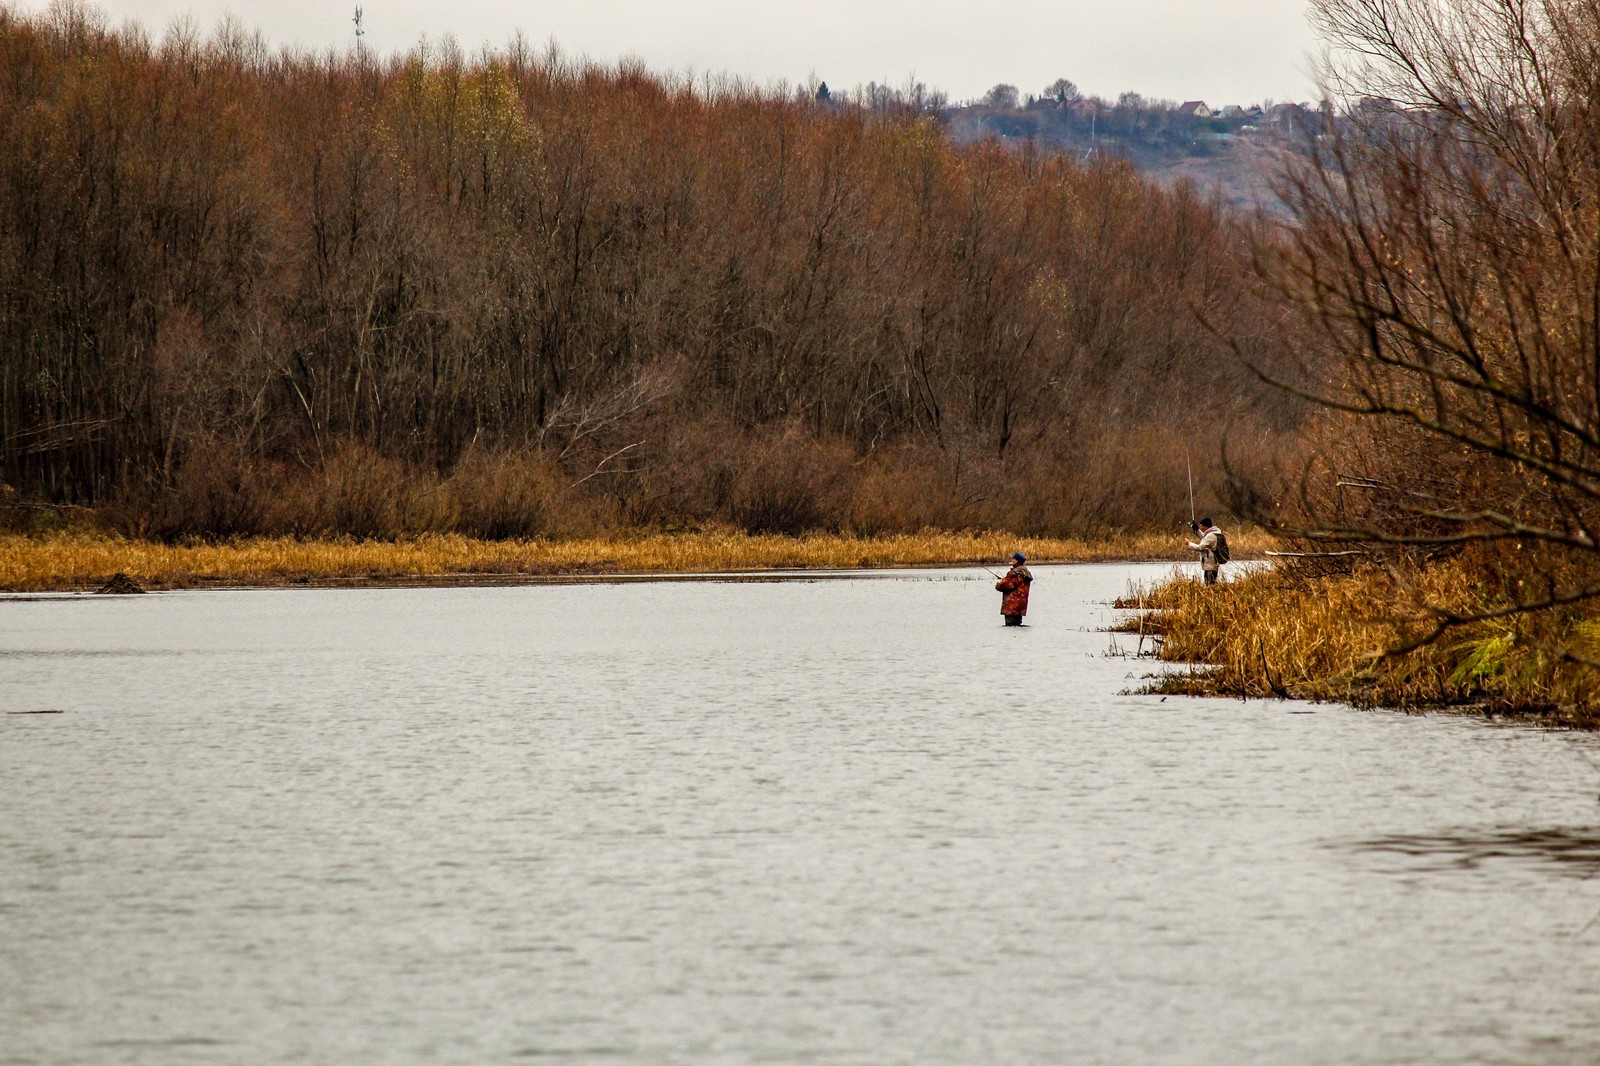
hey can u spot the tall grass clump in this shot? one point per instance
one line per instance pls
(1404, 635)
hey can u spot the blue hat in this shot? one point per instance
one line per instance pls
(1019, 557)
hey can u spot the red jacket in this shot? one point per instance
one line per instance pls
(1015, 586)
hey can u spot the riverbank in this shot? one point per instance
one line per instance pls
(83, 562)
(1329, 637)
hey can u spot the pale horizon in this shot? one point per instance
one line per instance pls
(1224, 52)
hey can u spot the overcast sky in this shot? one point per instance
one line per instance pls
(1220, 51)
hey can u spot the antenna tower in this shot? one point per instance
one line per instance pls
(360, 31)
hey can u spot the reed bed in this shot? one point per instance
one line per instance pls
(68, 562)
(1280, 633)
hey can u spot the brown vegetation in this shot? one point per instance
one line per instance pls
(1365, 636)
(66, 562)
(1440, 290)
(248, 292)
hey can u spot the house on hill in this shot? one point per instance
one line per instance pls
(1194, 109)
(1378, 107)
(1286, 116)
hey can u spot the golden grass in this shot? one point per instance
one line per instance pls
(80, 561)
(1277, 633)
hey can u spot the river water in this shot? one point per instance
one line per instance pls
(848, 820)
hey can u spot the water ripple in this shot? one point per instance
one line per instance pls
(1572, 852)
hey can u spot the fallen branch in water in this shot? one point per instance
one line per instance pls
(1313, 555)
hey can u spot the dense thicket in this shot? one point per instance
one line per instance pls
(1441, 287)
(244, 290)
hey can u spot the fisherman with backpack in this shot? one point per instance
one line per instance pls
(1212, 546)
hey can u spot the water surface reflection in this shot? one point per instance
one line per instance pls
(833, 821)
(1570, 852)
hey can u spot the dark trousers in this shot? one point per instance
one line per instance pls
(1013, 619)
(1211, 577)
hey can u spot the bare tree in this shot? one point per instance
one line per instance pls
(1002, 96)
(1443, 277)
(1062, 91)
(250, 292)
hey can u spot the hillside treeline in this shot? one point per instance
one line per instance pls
(244, 291)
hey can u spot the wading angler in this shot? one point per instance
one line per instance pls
(1014, 587)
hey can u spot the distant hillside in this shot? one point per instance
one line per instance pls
(1241, 173)
(1234, 154)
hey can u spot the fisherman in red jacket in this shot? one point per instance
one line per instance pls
(1015, 586)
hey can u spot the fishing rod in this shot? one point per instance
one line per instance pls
(1190, 466)
(1194, 527)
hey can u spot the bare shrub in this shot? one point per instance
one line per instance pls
(687, 475)
(363, 494)
(217, 490)
(901, 491)
(13, 514)
(790, 483)
(506, 495)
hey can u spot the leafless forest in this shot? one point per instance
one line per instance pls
(244, 290)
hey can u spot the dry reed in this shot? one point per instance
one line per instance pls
(80, 561)
(1334, 637)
